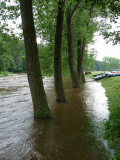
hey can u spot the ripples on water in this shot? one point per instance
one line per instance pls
(75, 132)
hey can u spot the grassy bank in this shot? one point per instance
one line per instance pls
(112, 133)
(2, 74)
(112, 87)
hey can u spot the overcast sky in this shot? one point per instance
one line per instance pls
(105, 50)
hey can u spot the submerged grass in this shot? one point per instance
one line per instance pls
(112, 125)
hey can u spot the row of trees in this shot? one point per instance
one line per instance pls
(71, 35)
(12, 55)
(107, 64)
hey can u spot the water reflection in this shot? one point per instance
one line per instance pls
(75, 132)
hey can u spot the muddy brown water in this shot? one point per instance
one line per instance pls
(75, 132)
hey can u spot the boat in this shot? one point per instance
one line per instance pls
(99, 76)
(94, 75)
(113, 74)
(108, 74)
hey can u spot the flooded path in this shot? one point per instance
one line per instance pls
(75, 132)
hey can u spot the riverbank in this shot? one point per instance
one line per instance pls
(112, 133)
(112, 126)
(2, 74)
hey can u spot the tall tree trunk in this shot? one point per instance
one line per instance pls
(72, 65)
(40, 105)
(83, 77)
(81, 49)
(60, 96)
(79, 54)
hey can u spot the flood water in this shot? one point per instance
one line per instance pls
(75, 132)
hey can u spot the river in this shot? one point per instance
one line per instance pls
(74, 133)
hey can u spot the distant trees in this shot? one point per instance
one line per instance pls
(107, 64)
(89, 62)
(99, 65)
(111, 63)
(12, 56)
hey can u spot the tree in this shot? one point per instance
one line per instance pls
(40, 105)
(99, 66)
(81, 46)
(60, 96)
(73, 70)
(9, 49)
(111, 10)
(46, 60)
(89, 62)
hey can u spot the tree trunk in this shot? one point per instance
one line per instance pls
(60, 96)
(40, 105)
(83, 77)
(79, 54)
(72, 65)
(81, 49)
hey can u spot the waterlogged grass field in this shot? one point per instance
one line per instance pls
(112, 133)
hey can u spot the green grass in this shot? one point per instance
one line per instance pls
(5, 73)
(112, 133)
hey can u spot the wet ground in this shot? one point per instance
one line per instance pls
(75, 132)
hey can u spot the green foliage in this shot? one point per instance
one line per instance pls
(89, 62)
(9, 12)
(81, 29)
(46, 59)
(11, 54)
(5, 73)
(108, 64)
(99, 66)
(113, 12)
(111, 63)
(112, 36)
(45, 13)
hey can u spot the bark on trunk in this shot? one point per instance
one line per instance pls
(60, 95)
(72, 65)
(81, 49)
(83, 77)
(79, 54)
(40, 105)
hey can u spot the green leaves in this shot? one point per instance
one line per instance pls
(11, 53)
